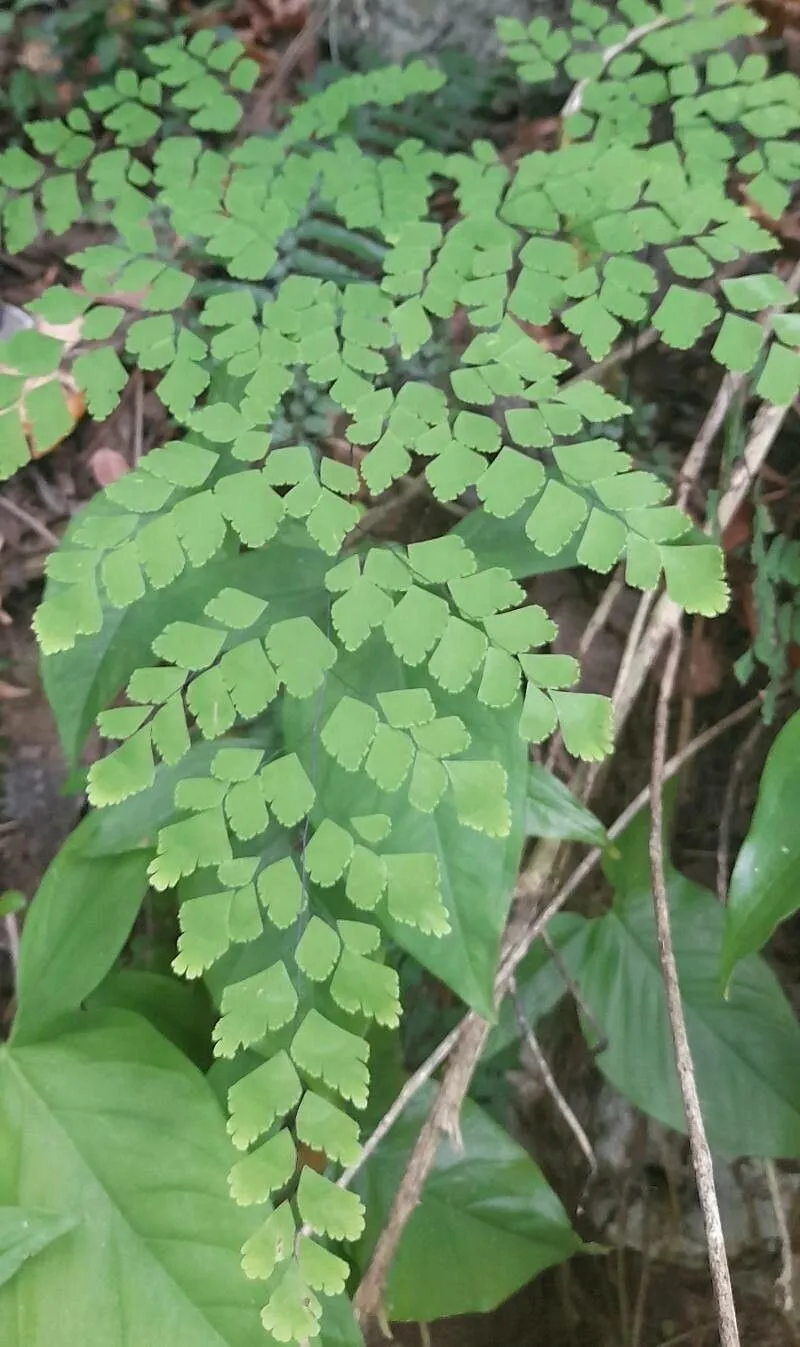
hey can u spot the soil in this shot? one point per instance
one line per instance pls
(616, 1301)
(36, 816)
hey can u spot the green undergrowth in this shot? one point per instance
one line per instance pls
(323, 741)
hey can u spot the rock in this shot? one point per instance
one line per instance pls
(402, 28)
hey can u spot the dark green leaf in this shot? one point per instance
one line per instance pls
(552, 811)
(764, 889)
(180, 1011)
(487, 1222)
(504, 542)
(134, 823)
(77, 924)
(80, 681)
(745, 1048)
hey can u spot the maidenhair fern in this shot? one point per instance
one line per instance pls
(323, 831)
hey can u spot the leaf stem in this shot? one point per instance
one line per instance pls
(575, 100)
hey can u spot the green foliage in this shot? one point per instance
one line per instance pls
(486, 1193)
(551, 811)
(763, 888)
(323, 744)
(67, 951)
(776, 574)
(49, 45)
(24, 1232)
(80, 1158)
(751, 1103)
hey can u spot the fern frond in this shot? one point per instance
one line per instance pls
(292, 861)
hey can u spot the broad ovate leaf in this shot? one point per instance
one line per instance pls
(487, 1223)
(764, 888)
(109, 1120)
(79, 920)
(745, 1047)
(552, 811)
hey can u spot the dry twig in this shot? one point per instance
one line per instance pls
(573, 103)
(712, 424)
(443, 1118)
(258, 115)
(11, 928)
(698, 1142)
(138, 420)
(34, 524)
(551, 1084)
(411, 1088)
(785, 1282)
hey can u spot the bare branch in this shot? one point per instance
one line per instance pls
(698, 1141)
(551, 1084)
(573, 103)
(785, 1282)
(518, 946)
(411, 1088)
(11, 928)
(443, 1118)
(712, 424)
